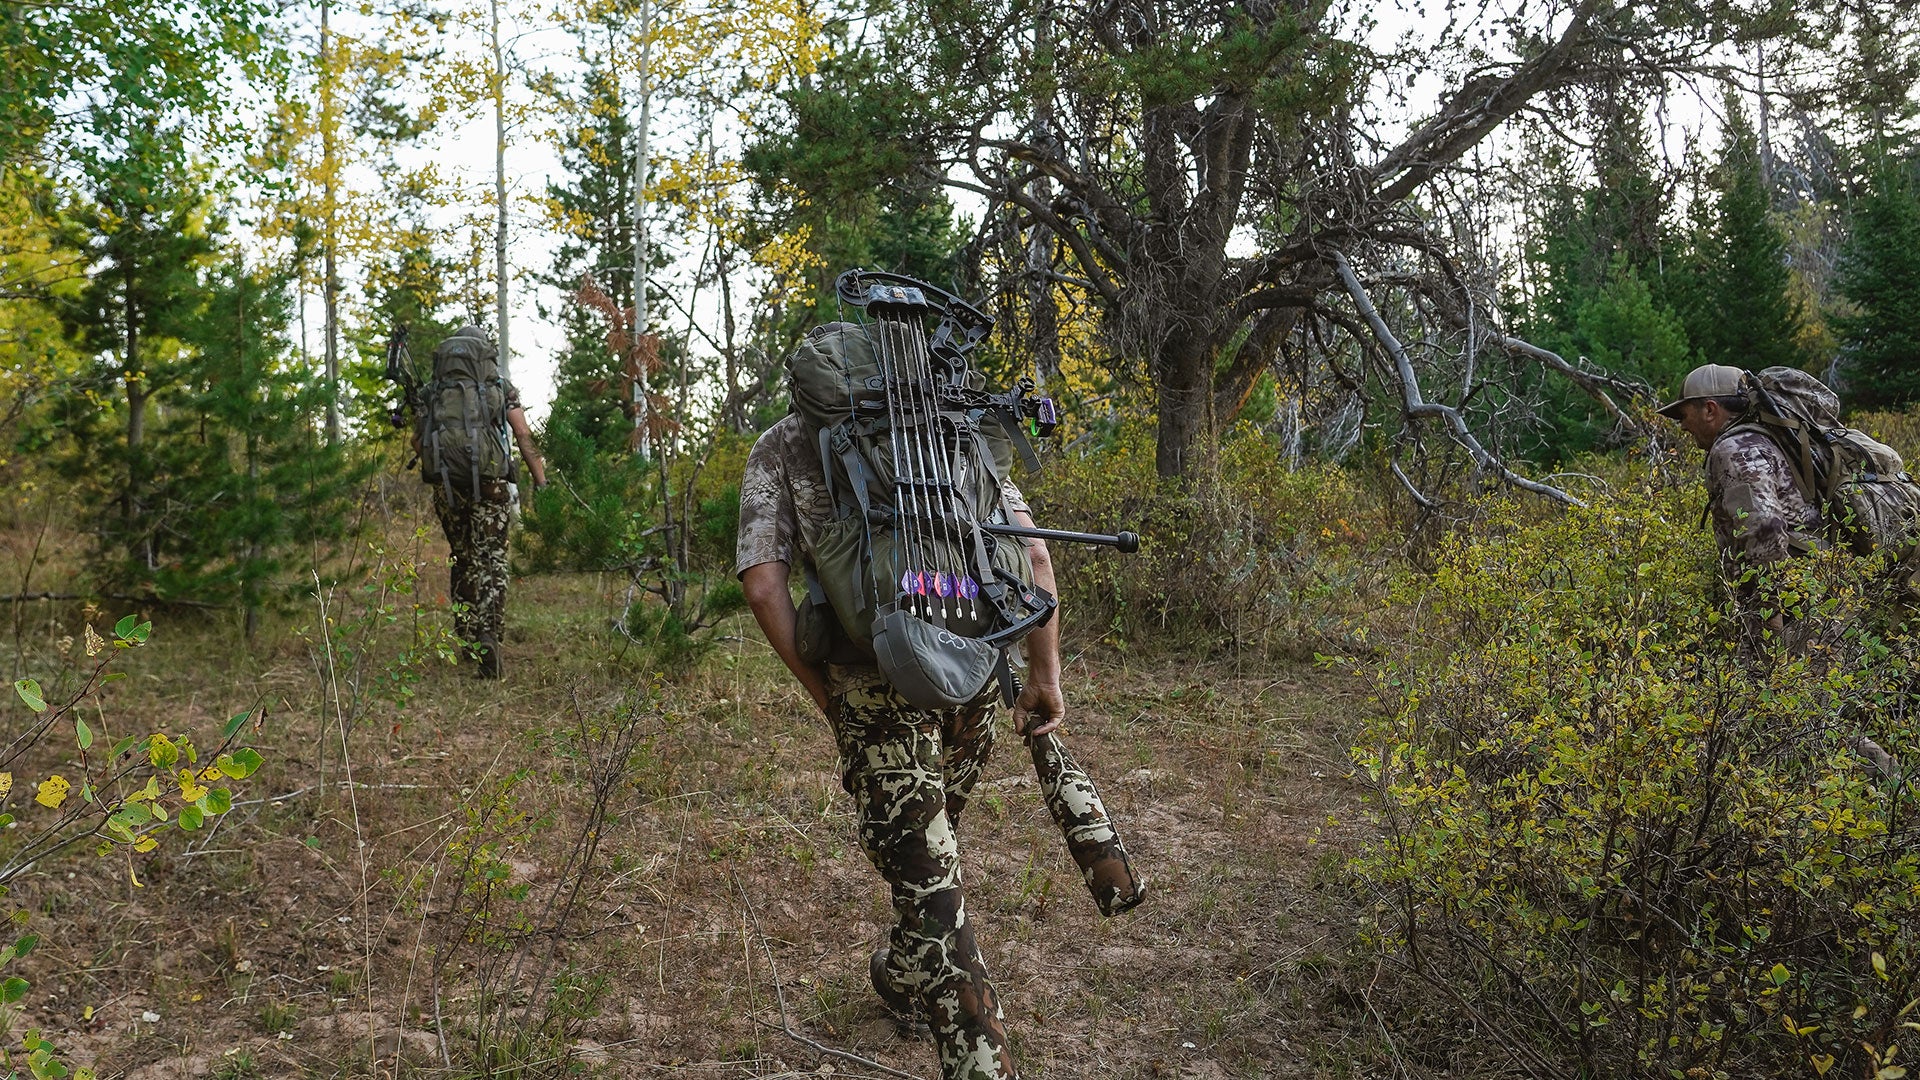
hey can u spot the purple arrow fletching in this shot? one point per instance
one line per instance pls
(969, 588)
(943, 583)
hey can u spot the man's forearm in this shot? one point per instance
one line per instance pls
(1043, 645)
(772, 607)
(529, 453)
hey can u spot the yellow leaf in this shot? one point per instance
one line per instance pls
(86, 1013)
(189, 790)
(1821, 1063)
(53, 791)
(1891, 1072)
(6, 782)
(145, 843)
(94, 642)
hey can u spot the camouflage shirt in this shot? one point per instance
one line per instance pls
(784, 501)
(1759, 516)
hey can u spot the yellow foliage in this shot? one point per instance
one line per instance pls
(52, 791)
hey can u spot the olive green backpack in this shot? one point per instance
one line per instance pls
(463, 418)
(903, 576)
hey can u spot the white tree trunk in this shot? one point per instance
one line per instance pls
(329, 238)
(500, 191)
(640, 253)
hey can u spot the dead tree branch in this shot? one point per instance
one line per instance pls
(1414, 405)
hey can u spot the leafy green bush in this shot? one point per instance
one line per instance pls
(1618, 843)
(126, 799)
(605, 512)
(1253, 556)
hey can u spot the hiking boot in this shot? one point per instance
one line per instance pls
(898, 1001)
(486, 655)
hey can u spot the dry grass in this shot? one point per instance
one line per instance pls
(302, 936)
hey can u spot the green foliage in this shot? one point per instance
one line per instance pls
(149, 59)
(1620, 326)
(1599, 255)
(1254, 557)
(845, 169)
(1880, 275)
(188, 442)
(1739, 308)
(1621, 842)
(127, 799)
(605, 513)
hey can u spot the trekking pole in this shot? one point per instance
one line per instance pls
(1125, 542)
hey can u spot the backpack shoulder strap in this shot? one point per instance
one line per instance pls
(1795, 439)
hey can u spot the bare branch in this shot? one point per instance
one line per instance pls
(1482, 104)
(1414, 405)
(1595, 385)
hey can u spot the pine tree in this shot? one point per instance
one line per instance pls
(251, 492)
(1599, 254)
(1741, 309)
(842, 170)
(147, 229)
(596, 206)
(1880, 274)
(192, 444)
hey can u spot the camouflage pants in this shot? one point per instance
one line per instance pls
(910, 773)
(477, 533)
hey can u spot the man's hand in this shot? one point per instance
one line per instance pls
(1039, 709)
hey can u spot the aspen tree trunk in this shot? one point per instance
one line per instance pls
(330, 286)
(640, 254)
(500, 190)
(1766, 122)
(135, 377)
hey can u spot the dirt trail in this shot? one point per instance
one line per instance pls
(729, 846)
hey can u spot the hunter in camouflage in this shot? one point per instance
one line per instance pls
(1759, 515)
(910, 772)
(475, 516)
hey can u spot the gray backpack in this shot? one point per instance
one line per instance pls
(909, 572)
(1859, 484)
(463, 416)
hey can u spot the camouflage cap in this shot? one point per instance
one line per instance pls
(1708, 381)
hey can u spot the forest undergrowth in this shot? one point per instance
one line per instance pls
(1379, 788)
